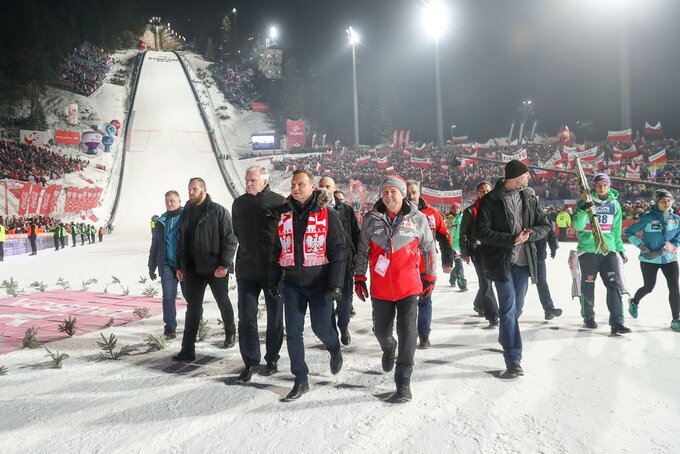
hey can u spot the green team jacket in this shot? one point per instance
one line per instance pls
(608, 212)
(453, 226)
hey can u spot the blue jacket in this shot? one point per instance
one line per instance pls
(164, 241)
(656, 231)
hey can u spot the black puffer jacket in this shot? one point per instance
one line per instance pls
(206, 238)
(350, 227)
(312, 278)
(493, 227)
(255, 219)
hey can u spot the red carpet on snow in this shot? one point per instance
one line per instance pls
(47, 310)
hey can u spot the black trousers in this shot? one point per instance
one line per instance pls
(248, 338)
(73, 236)
(56, 243)
(670, 272)
(406, 312)
(608, 268)
(2, 251)
(485, 300)
(194, 291)
(34, 246)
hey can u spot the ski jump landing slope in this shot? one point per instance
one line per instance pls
(168, 145)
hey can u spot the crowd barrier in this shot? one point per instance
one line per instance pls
(18, 243)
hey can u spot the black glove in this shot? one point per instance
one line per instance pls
(624, 257)
(335, 294)
(274, 290)
(553, 253)
(152, 274)
(651, 255)
(587, 205)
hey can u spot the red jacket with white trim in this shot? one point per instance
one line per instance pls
(403, 246)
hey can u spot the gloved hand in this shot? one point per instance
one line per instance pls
(335, 294)
(152, 274)
(360, 288)
(428, 287)
(553, 253)
(624, 257)
(274, 290)
(651, 255)
(586, 205)
(644, 250)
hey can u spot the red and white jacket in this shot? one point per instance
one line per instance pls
(403, 241)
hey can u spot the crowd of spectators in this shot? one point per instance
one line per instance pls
(20, 224)
(241, 82)
(19, 161)
(84, 70)
(449, 170)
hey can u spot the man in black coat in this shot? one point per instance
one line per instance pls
(350, 228)
(544, 296)
(205, 254)
(255, 220)
(509, 223)
(309, 261)
(485, 302)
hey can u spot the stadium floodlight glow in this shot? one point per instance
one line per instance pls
(273, 33)
(354, 40)
(435, 18)
(353, 36)
(233, 10)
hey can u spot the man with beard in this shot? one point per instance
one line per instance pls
(205, 252)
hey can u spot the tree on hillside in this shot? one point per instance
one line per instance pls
(290, 102)
(225, 34)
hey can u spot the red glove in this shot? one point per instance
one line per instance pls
(428, 287)
(360, 287)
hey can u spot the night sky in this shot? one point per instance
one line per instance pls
(563, 55)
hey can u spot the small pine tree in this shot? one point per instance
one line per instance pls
(203, 330)
(155, 343)
(11, 287)
(68, 326)
(63, 283)
(42, 286)
(108, 347)
(31, 338)
(150, 291)
(141, 312)
(3, 370)
(57, 358)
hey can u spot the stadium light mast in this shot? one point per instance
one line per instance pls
(624, 69)
(354, 40)
(435, 18)
(234, 12)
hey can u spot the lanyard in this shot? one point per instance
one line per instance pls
(390, 234)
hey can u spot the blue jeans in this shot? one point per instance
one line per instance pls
(424, 316)
(295, 300)
(169, 287)
(248, 338)
(510, 304)
(345, 303)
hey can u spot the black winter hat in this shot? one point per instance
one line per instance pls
(660, 194)
(515, 168)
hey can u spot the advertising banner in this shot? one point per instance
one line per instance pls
(67, 137)
(37, 138)
(296, 133)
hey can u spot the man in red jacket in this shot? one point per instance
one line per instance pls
(393, 237)
(441, 234)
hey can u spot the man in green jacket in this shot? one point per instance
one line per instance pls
(453, 219)
(608, 213)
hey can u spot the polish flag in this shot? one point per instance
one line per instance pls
(620, 136)
(653, 131)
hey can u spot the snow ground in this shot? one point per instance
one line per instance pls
(584, 391)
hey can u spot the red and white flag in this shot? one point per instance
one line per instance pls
(620, 136)
(658, 158)
(653, 131)
(459, 139)
(363, 159)
(421, 163)
(382, 162)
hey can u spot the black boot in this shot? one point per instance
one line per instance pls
(185, 356)
(401, 395)
(345, 336)
(270, 369)
(246, 374)
(388, 359)
(336, 362)
(298, 390)
(229, 340)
